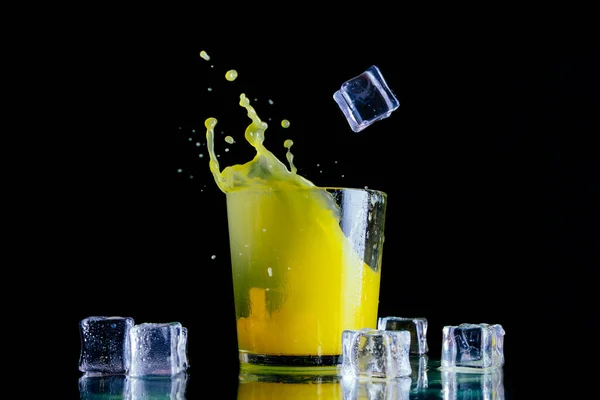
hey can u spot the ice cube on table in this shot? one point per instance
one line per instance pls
(366, 99)
(416, 326)
(158, 349)
(472, 346)
(372, 353)
(105, 344)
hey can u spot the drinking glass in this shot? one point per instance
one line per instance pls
(306, 266)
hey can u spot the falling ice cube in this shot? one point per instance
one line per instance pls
(416, 326)
(366, 99)
(104, 344)
(371, 353)
(473, 346)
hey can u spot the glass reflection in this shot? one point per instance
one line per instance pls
(321, 388)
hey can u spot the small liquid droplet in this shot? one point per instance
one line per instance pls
(204, 55)
(213, 257)
(290, 157)
(231, 75)
(270, 101)
(229, 139)
(285, 123)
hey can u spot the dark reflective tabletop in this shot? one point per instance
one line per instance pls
(427, 381)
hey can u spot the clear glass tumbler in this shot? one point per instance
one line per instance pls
(306, 266)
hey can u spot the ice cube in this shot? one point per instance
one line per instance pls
(488, 385)
(372, 353)
(366, 99)
(416, 326)
(105, 344)
(394, 389)
(103, 387)
(158, 349)
(473, 346)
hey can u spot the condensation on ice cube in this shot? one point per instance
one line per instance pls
(472, 346)
(158, 349)
(105, 344)
(371, 353)
(366, 99)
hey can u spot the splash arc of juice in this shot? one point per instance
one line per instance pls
(298, 282)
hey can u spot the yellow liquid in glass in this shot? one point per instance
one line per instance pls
(297, 281)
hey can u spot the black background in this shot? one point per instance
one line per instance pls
(489, 166)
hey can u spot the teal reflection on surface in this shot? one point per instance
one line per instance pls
(427, 381)
(124, 387)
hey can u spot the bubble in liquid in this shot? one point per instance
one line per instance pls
(231, 75)
(204, 55)
(285, 123)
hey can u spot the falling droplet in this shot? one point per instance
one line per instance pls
(231, 75)
(229, 139)
(285, 123)
(204, 55)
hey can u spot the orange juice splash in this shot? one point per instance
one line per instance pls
(298, 283)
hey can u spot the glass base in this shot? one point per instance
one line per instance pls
(262, 363)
